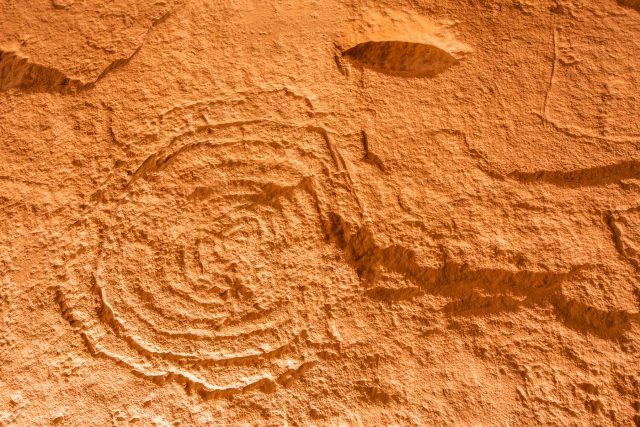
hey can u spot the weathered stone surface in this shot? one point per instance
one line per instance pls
(319, 213)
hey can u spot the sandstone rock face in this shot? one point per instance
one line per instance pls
(319, 213)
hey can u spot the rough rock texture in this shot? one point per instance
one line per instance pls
(319, 212)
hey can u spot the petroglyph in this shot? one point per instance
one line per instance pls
(205, 271)
(319, 213)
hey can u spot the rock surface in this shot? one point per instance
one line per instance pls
(319, 213)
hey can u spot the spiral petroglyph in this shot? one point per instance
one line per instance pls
(335, 213)
(205, 270)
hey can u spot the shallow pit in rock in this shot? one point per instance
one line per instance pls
(398, 58)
